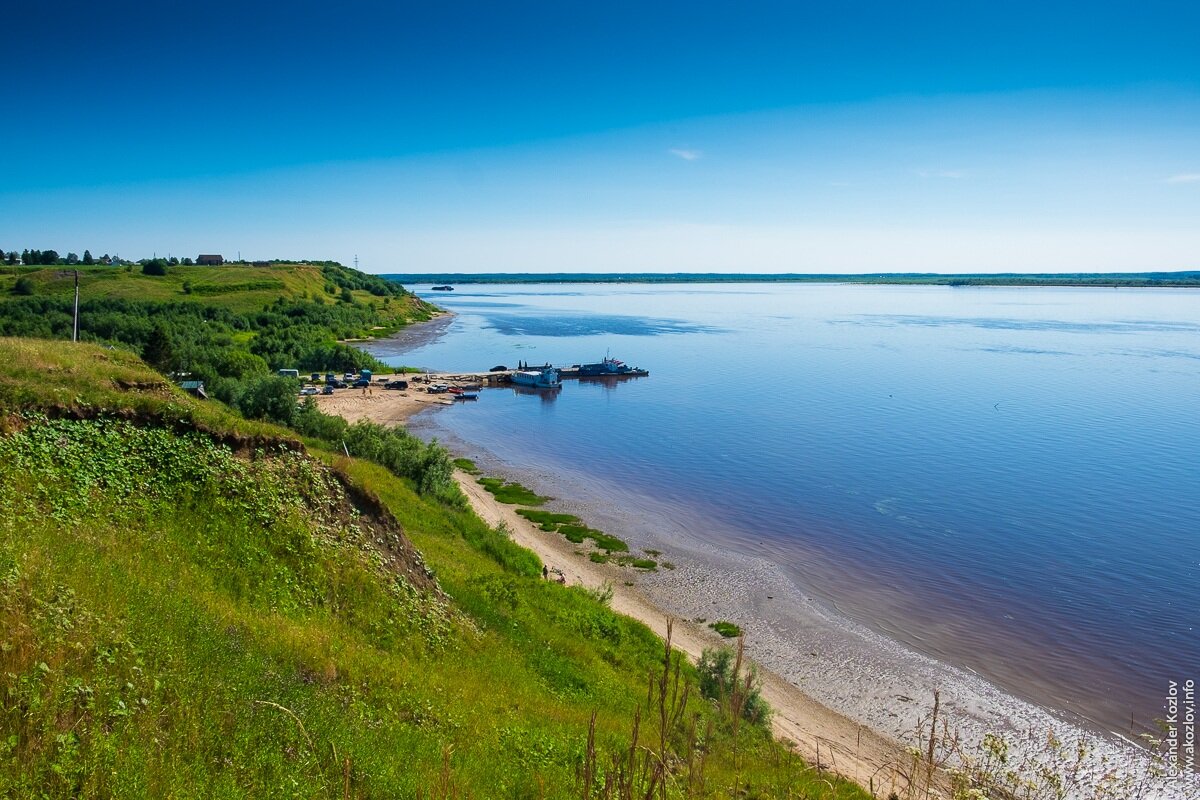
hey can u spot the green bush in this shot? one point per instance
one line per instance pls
(718, 682)
(269, 397)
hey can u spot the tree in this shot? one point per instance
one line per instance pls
(49, 257)
(154, 267)
(87, 257)
(23, 286)
(187, 262)
(159, 349)
(270, 397)
(72, 258)
(346, 296)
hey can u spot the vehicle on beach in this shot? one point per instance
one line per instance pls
(308, 391)
(544, 378)
(361, 383)
(327, 390)
(396, 385)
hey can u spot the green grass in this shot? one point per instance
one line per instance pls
(547, 518)
(512, 493)
(578, 533)
(233, 286)
(467, 466)
(726, 629)
(194, 605)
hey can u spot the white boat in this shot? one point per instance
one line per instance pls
(544, 378)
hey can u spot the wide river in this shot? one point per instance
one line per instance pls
(1002, 479)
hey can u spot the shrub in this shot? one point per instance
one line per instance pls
(722, 679)
(23, 286)
(269, 397)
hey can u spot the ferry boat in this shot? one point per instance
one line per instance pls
(609, 367)
(543, 378)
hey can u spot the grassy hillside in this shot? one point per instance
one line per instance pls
(235, 287)
(231, 327)
(192, 604)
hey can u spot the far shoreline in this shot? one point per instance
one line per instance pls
(1181, 279)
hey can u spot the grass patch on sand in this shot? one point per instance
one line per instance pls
(512, 493)
(547, 518)
(578, 533)
(625, 561)
(466, 465)
(726, 629)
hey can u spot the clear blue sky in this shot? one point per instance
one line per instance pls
(805, 137)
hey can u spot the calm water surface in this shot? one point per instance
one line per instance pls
(1005, 479)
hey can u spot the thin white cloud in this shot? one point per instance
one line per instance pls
(686, 155)
(1184, 177)
(953, 174)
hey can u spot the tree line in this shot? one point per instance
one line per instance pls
(52, 258)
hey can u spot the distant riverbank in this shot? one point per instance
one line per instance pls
(1102, 279)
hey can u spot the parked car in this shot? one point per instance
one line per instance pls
(327, 390)
(315, 377)
(308, 391)
(396, 385)
(361, 383)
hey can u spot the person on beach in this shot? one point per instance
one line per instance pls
(545, 573)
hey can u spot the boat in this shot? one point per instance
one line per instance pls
(455, 390)
(467, 396)
(543, 378)
(445, 288)
(609, 367)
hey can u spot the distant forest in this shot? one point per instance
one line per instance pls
(1132, 279)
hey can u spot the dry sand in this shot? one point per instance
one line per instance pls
(381, 405)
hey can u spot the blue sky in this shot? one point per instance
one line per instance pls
(765, 137)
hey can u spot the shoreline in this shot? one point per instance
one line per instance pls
(863, 693)
(838, 687)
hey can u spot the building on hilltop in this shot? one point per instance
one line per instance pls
(209, 260)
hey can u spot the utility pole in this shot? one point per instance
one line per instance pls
(356, 261)
(75, 329)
